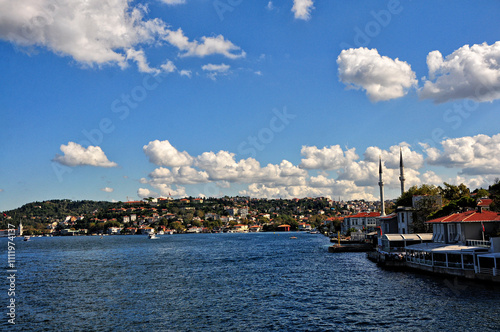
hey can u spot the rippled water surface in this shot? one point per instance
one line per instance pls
(231, 282)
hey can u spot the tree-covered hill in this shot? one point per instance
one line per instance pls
(52, 210)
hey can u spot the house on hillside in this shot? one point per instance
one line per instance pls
(361, 221)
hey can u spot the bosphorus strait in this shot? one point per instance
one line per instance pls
(232, 282)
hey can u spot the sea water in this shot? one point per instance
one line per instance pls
(229, 282)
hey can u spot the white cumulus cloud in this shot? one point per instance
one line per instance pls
(302, 9)
(380, 76)
(77, 155)
(208, 45)
(475, 155)
(219, 68)
(174, 2)
(326, 158)
(107, 189)
(101, 32)
(162, 153)
(471, 72)
(145, 193)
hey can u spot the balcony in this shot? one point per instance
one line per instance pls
(478, 243)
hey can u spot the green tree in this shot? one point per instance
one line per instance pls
(495, 195)
(453, 193)
(406, 198)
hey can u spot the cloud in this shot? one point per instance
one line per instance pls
(471, 72)
(218, 68)
(173, 2)
(145, 193)
(475, 155)
(323, 171)
(76, 155)
(162, 153)
(302, 9)
(164, 189)
(91, 32)
(181, 175)
(1, 190)
(208, 46)
(107, 190)
(140, 59)
(327, 158)
(431, 177)
(412, 159)
(169, 67)
(98, 33)
(215, 70)
(187, 73)
(266, 191)
(380, 76)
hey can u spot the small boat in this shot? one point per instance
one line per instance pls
(293, 237)
(161, 232)
(26, 238)
(152, 236)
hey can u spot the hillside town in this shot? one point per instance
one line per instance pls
(445, 230)
(189, 215)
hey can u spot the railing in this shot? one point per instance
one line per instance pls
(485, 270)
(469, 266)
(455, 265)
(478, 243)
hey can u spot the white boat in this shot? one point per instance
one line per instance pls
(26, 238)
(152, 236)
(161, 232)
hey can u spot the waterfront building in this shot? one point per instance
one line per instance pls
(464, 244)
(240, 228)
(284, 228)
(404, 219)
(304, 227)
(255, 228)
(114, 230)
(361, 221)
(396, 243)
(389, 223)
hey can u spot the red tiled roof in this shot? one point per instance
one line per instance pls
(484, 202)
(365, 214)
(469, 216)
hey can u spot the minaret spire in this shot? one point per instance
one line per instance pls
(381, 185)
(401, 171)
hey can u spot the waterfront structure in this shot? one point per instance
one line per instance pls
(461, 246)
(284, 228)
(255, 228)
(304, 227)
(361, 221)
(396, 243)
(240, 228)
(405, 219)
(389, 223)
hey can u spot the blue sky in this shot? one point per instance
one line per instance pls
(117, 100)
